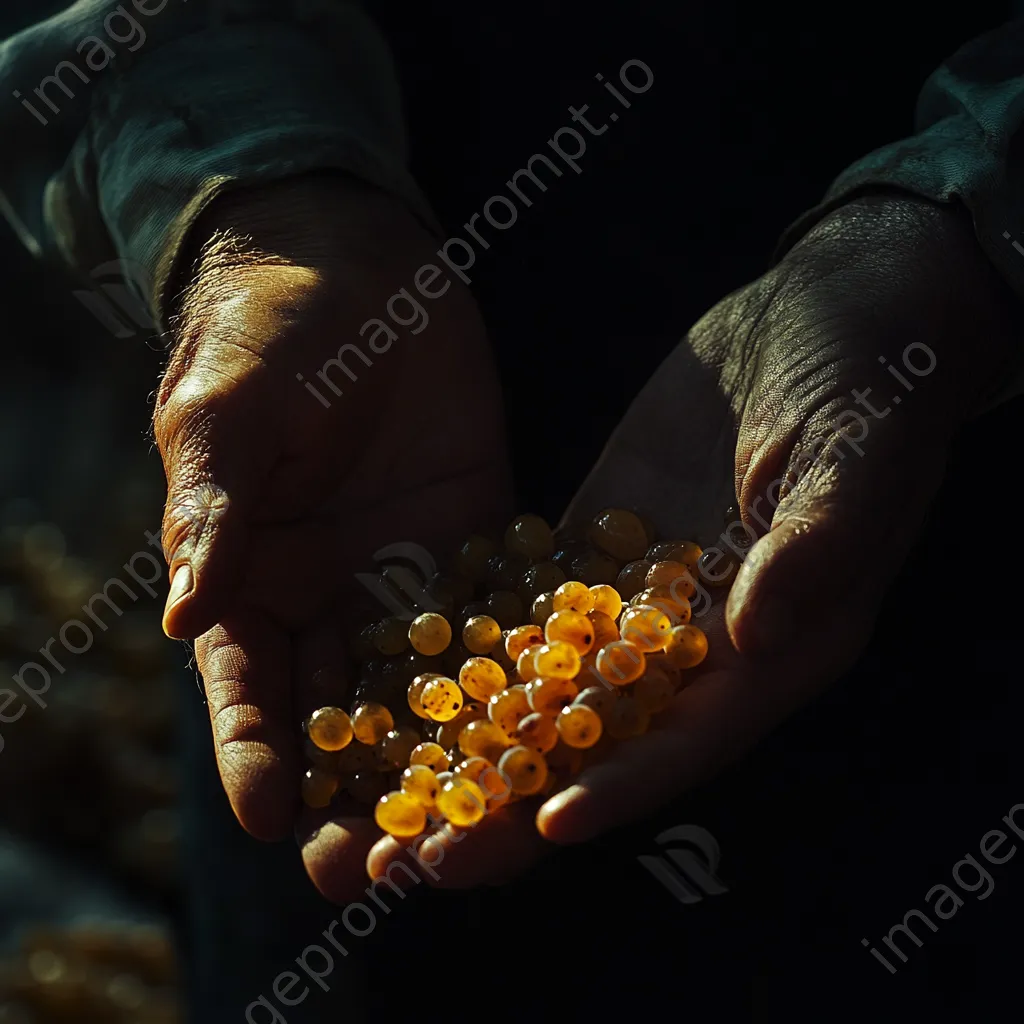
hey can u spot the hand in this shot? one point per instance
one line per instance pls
(274, 498)
(762, 399)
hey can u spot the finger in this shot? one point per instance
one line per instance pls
(714, 720)
(334, 851)
(216, 452)
(245, 663)
(837, 538)
(503, 844)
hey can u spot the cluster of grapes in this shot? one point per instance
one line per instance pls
(513, 709)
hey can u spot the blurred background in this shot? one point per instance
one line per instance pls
(89, 818)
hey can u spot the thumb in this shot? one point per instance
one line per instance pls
(216, 454)
(846, 513)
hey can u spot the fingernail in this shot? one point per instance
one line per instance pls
(181, 587)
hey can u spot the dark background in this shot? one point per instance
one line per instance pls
(845, 818)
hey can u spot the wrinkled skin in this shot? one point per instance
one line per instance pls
(755, 401)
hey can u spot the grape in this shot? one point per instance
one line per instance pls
(318, 787)
(607, 600)
(471, 561)
(542, 608)
(419, 782)
(522, 637)
(684, 551)
(620, 663)
(391, 636)
(329, 729)
(573, 628)
(414, 695)
(537, 732)
(441, 699)
(620, 533)
(429, 755)
(633, 578)
(505, 608)
(507, 708)
(646, 627)
(525, 770)
(558, 660)
(482, 678)
(531, 537)
(574, 596)
(482, 738)
(371, 722)
(687, 647)
(462, 802)
(480, 634)
(579, 726)
(400, 814)
(549, 696)
(605, 630)
(538, 579)
(398, 745)
(627, 719)
(430, 633)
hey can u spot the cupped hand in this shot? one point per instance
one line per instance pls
(784, 397)
(276, 494)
